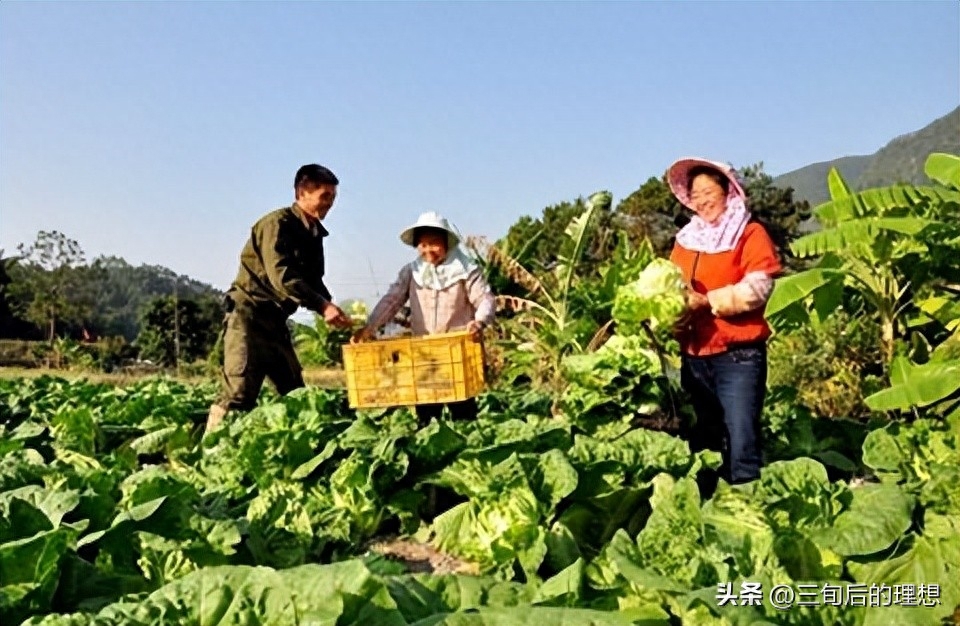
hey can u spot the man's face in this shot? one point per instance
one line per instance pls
(317, 203)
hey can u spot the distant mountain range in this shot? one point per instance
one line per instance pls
(901, 160)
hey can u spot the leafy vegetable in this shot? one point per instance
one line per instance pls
(657, 298)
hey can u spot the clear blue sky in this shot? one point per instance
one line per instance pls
(160, 132)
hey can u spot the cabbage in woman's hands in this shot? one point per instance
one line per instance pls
(658, 297)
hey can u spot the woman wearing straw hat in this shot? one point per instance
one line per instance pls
(729, 263)
(446, 291)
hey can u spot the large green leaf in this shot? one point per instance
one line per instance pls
(912, 454)
(855, 232)
(30, 569)
(900, 369)
(127, 521)
(918, 386)
(577, 238)
(21, 467)
(347, 594)
(55, 503)
(881, 201)
(837, 186)
(310, 595)
(435, 443)
(422, 596)
(307, 468)
(592, 522)
(553, 478)
(929, 561)
(20, 519)
(881, 452)
(641, 452)
(538, 616)
(796, 288)
(797, 494)
(564, 589)
(76, 429)
(672, 543)
(944, 169)
(878, 516)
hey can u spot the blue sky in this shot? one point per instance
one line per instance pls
(160, 132)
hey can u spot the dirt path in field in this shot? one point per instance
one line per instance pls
(420, 557)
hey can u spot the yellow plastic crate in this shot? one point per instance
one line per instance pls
(413, 370)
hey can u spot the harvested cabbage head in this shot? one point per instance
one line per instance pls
(658, 297)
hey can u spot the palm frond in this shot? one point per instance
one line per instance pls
(837, 185)
(577, 234)
(517, 304)
(882, 201)
(855, 232)
(509, 266)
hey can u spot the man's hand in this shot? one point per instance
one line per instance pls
(364, 334)
(334, 315)
(475, 329)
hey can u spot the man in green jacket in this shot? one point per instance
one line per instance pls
(281, 269)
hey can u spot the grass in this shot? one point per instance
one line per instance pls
(316, 377)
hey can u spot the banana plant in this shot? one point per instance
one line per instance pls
(913, 387)
(552, 323)
(320, 344)
(890, 246)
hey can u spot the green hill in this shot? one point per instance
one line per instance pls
(810, 182)
(123, 290)
(901, 160)
(106, 297)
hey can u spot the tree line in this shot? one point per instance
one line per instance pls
(49, 291)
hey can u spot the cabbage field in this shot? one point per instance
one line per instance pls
(571, 500)
(112, 513)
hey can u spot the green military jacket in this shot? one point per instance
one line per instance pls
(281, 265)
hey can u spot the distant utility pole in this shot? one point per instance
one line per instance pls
(176, 324)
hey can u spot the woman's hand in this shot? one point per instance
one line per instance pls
(364, 334)
(475, 329)
(696, 300)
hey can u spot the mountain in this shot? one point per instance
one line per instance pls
(113, 293)
(810, 182)
(123, 290)
(900, 161)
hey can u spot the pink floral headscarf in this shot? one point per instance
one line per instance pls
(700, 235)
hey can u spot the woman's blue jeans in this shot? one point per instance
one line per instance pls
(727, 392)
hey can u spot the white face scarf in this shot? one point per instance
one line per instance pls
(456, 267)
(721, 236)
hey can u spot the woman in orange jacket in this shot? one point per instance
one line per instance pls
(729, 263)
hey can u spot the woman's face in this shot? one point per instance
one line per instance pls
(707, 198)
(432, 247)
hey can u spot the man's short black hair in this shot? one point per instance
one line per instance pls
(314, 175)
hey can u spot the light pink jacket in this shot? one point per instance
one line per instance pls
(434, 311)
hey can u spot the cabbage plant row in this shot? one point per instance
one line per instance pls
(112, 511)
